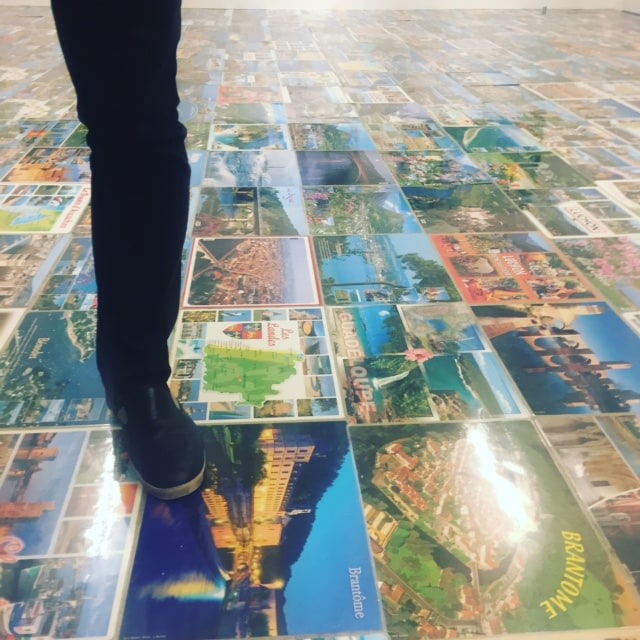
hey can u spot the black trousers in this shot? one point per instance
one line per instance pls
(122, 62)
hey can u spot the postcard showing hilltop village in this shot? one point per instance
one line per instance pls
(476, 533)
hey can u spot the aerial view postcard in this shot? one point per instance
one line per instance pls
(465, 208)
(63, 569)
(246, 211)
(358, 210)
(605, 483)
(401, 137)
(415, 169)
(273, 544)
(416, 363)
(612, 265)
(404, 268)
(41, 208)
(528, 170)
(266, 363)
(48, 371)
(475, 532)
(25, 262)
(510, 266)
(505, 138)
(71, 284)
(585, 211)
(251, 271)
(562, 358)
(343, 168)
(235, 137)
(331, 137)
(251, 168)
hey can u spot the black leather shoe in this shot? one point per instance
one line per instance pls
(163, 442)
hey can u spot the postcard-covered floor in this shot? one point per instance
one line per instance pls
(410, 334)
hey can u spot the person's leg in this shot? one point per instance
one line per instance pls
(122, 61)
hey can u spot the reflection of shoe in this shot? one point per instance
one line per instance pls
(164, 444)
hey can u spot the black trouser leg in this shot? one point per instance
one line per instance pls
(122, 61)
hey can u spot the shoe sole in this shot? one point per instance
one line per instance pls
(173, 493)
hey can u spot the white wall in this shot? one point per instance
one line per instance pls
(629, 5)
(408, 4)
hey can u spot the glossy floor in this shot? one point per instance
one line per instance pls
(409, 332)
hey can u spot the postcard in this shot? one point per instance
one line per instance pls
(315, 112)
(41, 208)
(198, 134)
(395, 136)
(50, 164)
(343, 168)
(599, 109)
(379, 95)
(403, 268)
(229, 94)
(48, 371)
(605, 483)
(402, 113)
(612, 265)
(266, 363)
(302, 95)
(71, 284)
(418, 363)
(26, 261)
(331, 137)
(506, 138)
(244, 211)
(482, 506)
(529, 170)
(626, 193)
(308, 78)
(617, 163)
(234, 137)
(251, 113)
(63, 569)
(354, 209)
(251, 168)
(565, 90)
(562, 358)
(251, 271)
(418, 168)
(465, 208)
(511, 266)
(273, 544)
(46, 133)
(576, 212)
